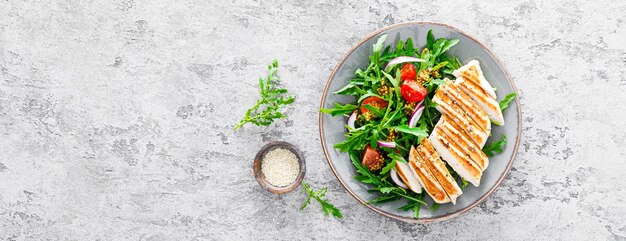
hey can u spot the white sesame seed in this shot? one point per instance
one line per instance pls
(280, 167)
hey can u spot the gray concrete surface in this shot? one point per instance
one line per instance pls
(115, 118)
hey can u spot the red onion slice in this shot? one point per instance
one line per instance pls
(396, 179)
(351, 120)
(419, 104)
(402, 59)
(416, 116)
(388, 144)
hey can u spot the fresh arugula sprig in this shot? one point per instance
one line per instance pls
(318, 196)
(339, 109)
(414, 205)
(504, 103)
(267, 109)
(496, 146)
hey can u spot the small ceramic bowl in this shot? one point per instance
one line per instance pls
(260, 177)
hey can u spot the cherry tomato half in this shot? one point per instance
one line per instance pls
(372, 159)
(373, 101)
(412, 91)
(407, 72)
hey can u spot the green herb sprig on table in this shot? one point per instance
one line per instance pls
(318, 196)
(267, 109)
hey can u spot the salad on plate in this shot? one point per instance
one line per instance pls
(419, 123)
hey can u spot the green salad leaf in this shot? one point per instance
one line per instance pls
(504, 103)
(496, 146)
(416, 131)
(267, 109)
(327, 207)
(340, 109)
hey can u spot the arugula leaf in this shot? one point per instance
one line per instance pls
(384, 199)
(453, 64)
(386, 190)
(416, 131)
(437, 47)
(318, 196)
(439, 65)
(495, 146)
(410, 49)
(340, 109)
(399, 47)
(430, 39)
(504, 103)
(437, 82)
(414, 204)
(355, 140)
(351, 88)
(368, 94)
(373, 109)
(464, 183)
(392, 80)
(359, 73)
(272, 99)
(448, 44)
(435, 206)
(379, 44)
(388, 167)
(456, 176)
(397, 157)
(426, 54)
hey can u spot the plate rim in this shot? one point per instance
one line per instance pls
(448, 215)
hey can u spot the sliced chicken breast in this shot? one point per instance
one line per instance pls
(445, 105)
(448, 119)
(459, 162)
(408, 177)
(426, 178)
(468, 105)
(486, 103)
(439, 170)
(468, 147)
(472, 72)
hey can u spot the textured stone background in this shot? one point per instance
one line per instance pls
(115, 118)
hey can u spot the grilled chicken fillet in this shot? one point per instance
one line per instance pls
(439, 170)
(472, 72)
(408, 177)
(426, 178)
(454, 156)
(447, 106)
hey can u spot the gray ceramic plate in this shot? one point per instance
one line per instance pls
(332, 128)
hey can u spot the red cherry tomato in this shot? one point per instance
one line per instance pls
(373, 101)
(371, 159)
(407, 72)
(412, 91)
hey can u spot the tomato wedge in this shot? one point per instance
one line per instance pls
(373, 101)
(372, 159)
(412, 91)
(407, 72)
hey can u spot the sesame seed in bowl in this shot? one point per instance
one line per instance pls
(279, 167)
